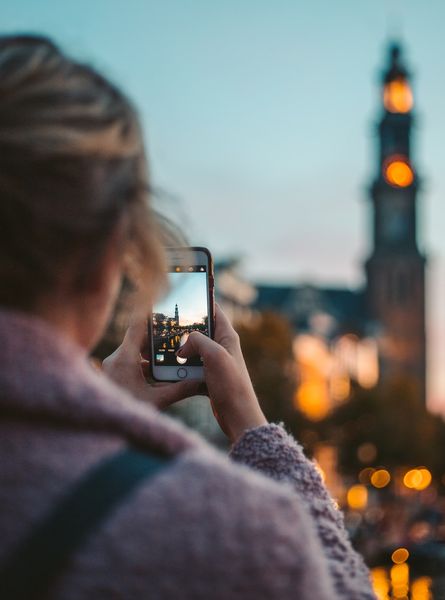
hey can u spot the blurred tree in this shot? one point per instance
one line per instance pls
(266, 342)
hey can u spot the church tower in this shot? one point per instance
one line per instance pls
(395, 270)
(176, 314)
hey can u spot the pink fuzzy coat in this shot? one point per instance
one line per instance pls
(259, 524)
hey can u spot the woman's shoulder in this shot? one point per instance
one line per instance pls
(202, 519)
(237, 528)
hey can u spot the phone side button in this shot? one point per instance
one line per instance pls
(182, 373)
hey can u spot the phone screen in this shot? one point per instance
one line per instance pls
(184, 309)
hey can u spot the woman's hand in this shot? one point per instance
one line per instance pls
(128, 369)
(234, 402)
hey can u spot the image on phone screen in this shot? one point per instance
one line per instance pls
(183, 310)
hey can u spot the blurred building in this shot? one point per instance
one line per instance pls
(236, 296)
(375, 334)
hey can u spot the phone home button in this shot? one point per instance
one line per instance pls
(182, 373)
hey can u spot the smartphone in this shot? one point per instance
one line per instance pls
(188, 306)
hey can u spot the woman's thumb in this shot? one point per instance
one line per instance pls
(197, 344)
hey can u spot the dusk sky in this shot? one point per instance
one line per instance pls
(259, 122)
(189, 292)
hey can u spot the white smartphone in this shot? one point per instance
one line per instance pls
(188, 306)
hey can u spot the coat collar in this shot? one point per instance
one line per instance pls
(45, 377)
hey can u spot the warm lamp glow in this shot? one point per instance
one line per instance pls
(417, 479)
(313, 400)
(421, 589)
(357, 497)
(313, 360)
(380, 478)
(426, 479)
(400, 580)
(398, 173)
(400, 556)
(380, 583)
(397, 96)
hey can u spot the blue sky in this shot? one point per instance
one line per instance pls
(189, 292)
(259, 121)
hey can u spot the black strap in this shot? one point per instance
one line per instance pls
(30, 571)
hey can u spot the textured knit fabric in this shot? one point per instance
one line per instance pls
(204, 528)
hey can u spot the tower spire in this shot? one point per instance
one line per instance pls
(397, 93)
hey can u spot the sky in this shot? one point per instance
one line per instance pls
(260, 123)
(189, 292)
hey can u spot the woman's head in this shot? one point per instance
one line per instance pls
(73, 177)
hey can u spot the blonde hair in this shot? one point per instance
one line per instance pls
(72, 165)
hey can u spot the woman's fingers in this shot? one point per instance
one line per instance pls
(226, 339)
(224, 331)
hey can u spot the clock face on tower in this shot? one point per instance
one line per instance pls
(394, 220)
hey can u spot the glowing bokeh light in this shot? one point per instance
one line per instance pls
(398, 173)
(380, 583)
(397, 96)
(400, 556)
(380, 478)
(417, 479)
(400, 580)
(421, 589)
(412, 478)
(357, 497)
(313, 399)
(426, 479)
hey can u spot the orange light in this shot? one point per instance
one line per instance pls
(313, 400)
(417, 479)
(400, 556)
(399, 173)
(357, 497)
(426, 479)
(400, 580)
(421, 589)
(380, 478)
(412, 478)
(397, 96)
(380, 583)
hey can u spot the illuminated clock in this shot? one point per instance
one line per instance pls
(398, 172)
(397, 96)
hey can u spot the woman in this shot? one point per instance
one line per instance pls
(74, 220)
